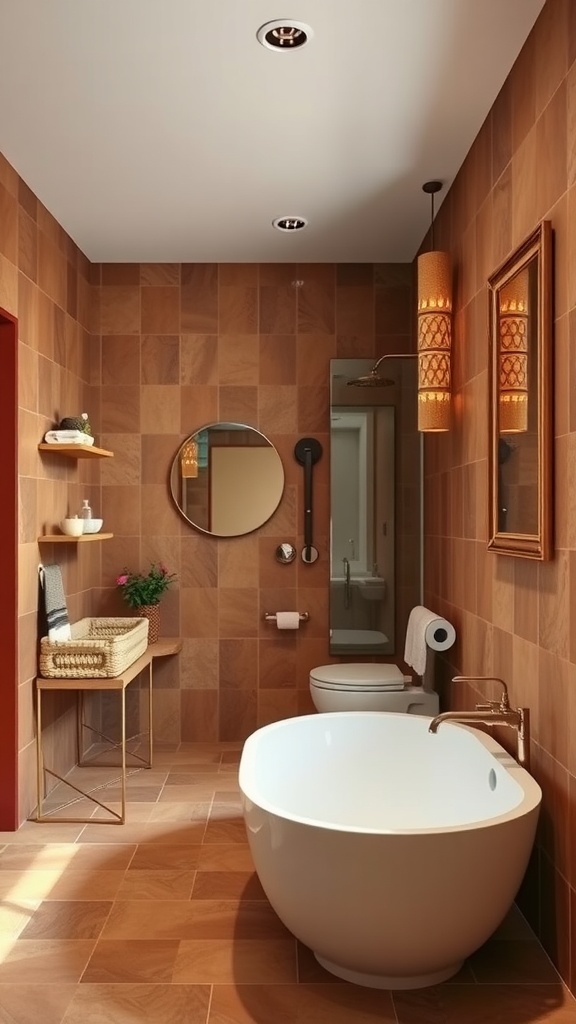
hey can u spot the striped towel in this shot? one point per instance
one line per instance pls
(55, 603)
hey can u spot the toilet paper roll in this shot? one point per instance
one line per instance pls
(288, 620)
(440, 634)
(426, 631)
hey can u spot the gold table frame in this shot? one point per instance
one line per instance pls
(120, 684)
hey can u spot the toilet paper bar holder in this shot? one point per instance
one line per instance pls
(271, 616)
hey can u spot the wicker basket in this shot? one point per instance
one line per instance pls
(99, 648)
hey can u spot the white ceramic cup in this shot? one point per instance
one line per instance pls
(72, 527)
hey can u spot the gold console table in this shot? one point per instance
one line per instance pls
(161, 648)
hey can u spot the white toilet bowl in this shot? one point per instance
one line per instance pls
(369, 687)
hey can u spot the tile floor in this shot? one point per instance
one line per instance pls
(162, 921)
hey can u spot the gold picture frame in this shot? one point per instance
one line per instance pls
(520, 399)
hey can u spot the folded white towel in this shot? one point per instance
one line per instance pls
(68, 437)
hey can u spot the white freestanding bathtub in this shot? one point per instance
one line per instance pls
(391, 852)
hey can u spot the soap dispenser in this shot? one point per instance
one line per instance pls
(86, 511)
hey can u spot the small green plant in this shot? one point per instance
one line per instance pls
(139, 589)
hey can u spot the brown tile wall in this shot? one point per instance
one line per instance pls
(514, 617)
(184, 346)
(153, 352)
(45, 283)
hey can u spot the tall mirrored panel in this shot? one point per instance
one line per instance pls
(375, 495)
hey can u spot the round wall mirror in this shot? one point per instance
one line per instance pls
(227, 479)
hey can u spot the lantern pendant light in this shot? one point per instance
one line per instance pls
(434, 332)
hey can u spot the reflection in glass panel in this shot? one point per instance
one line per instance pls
(227, 479)
(375, 506)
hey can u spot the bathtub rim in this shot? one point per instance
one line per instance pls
(530, 803)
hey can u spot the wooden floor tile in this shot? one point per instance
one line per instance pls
(146, 1004)
(132, 961)
(157, 885)
(58, 961)
(136, 922)
(197, 919)
(242, 962)
(30, 1003)
(300, 1004)
(512, 961)
(485, 1004)
(67, 919)
(227, 885)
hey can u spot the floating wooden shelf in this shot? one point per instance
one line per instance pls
(63, 538)
(76, 451)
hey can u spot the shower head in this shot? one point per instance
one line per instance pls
(371, 380)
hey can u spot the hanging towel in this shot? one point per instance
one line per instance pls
(55, 603)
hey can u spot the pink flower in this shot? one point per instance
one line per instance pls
(121, 580)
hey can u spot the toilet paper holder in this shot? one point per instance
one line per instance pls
(271, 616)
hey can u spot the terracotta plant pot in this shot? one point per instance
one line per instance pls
(152, 613)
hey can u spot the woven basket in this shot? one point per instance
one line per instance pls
(99, 648)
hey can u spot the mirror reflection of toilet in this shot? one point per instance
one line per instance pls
(369, 687)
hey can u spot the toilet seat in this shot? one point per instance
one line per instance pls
(365, 678)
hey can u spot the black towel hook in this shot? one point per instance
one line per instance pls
(307, 452)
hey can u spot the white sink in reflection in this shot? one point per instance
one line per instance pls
(372, 588)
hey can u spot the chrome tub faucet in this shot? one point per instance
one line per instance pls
(493, 712)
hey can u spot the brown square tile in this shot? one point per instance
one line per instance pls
(131, 961)
(277, 662)
(277, 359)
(158, 885)
(58, 961)
(238, 664)
(149, 857)
(199, 359)
(317, 1004)
(149, 1004)
(160, 310)
(238, 612)
(246, 961)
(237, 714)
(238, 309)
(28, 1003)
(199, 715)
(65, 919)
(194, 919)
(160, 275)
(238, 359)
(160, 359)
(454, 1004)
(227, 885)
(199, 298)
(512, 961)
(238, 404)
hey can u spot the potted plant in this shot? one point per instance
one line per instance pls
(143, 592)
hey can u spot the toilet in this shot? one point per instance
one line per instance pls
(369, 687)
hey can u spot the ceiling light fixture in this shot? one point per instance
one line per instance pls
(284, 34)
(290, 223)
(434, 331)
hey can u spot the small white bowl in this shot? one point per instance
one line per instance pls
(92, 525)
(72, 527)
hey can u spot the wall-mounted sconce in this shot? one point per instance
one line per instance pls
(189, 460)
(434, 332)
(513, 355)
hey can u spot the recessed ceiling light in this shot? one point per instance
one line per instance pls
(290, 223)
(284, 34)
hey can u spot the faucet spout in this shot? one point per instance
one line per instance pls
(493, 712)
(516, 718)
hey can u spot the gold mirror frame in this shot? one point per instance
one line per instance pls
(520, 382)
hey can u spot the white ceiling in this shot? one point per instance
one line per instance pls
(161, 130)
